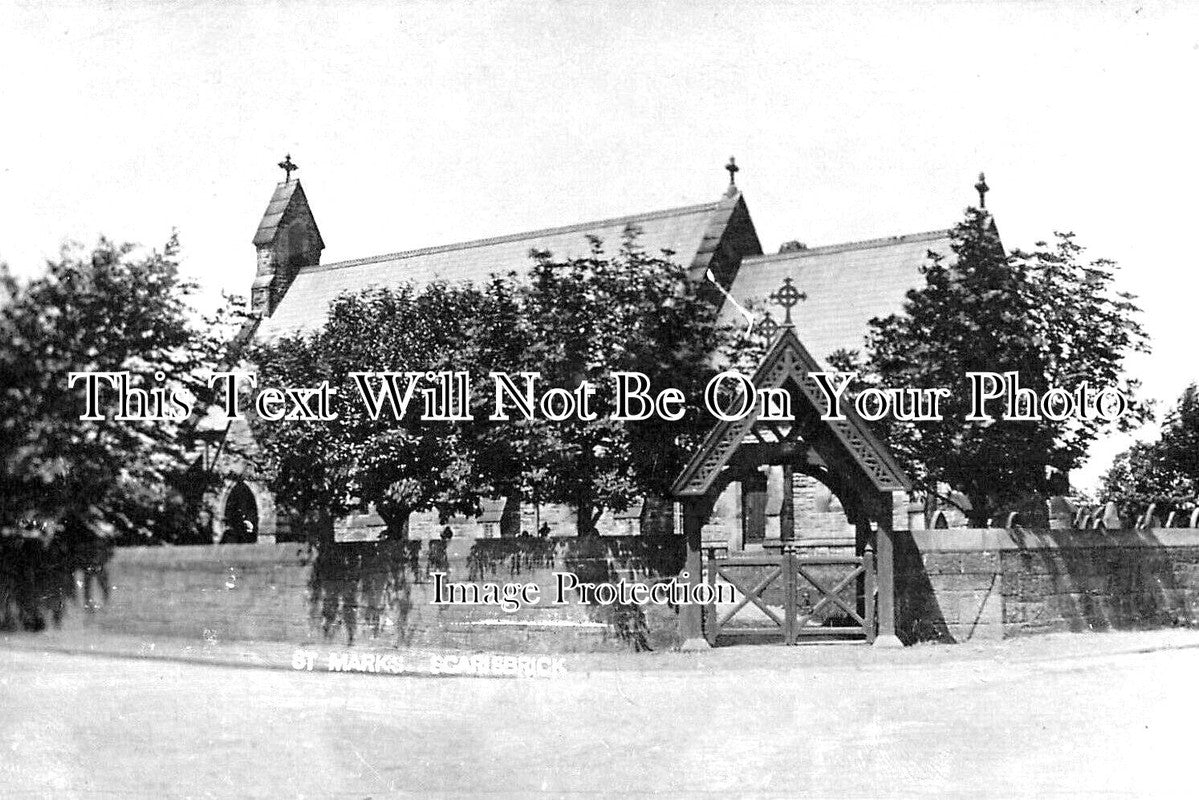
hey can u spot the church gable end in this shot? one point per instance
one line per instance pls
(730, 237)
(287, 240)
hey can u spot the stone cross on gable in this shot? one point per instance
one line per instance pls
(788, 297)
(982, 189)
(767, 327)
(288, 166)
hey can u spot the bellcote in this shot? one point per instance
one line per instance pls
(287, 240)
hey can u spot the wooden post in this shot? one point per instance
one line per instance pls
(787, 510)
(869, 562)
(695, 516)
(790, 623)
(885, 559)
(867, 587)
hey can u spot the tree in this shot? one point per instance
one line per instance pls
(571, 320)
(398, 465)
(1165, 472)
(70, 483)
(586, 318)
(1055, 321)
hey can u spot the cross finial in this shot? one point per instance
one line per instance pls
(982, 189)
(788, 297)
(733, 170)
(767, 327)
(288, 166)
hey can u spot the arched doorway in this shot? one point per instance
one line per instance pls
(241, 515)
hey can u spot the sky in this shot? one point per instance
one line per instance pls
(418, 124)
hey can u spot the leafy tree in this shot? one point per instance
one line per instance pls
(571, 320)
(1164, 472)
(73, 484)
(588, 317)
(399, 465)
(497, 340)
(1054, 320)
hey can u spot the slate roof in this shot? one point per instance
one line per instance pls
(286, 195)
(846, 284)
(692, 233)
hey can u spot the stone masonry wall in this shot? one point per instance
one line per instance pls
(956, 585)
(368, 592)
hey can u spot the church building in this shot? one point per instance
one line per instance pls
(845, 286)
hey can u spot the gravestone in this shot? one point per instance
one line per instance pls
(1061, 513)
(1111, 517)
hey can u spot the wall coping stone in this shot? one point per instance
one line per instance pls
(952, 540)
(231, 554)
(972, 540)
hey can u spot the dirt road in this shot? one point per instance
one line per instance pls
(1071, 720)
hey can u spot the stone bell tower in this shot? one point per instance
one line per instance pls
(287, 239)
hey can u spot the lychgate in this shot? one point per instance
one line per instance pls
(795, 591)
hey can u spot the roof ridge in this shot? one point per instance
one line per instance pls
(516, 237)
(864, 244)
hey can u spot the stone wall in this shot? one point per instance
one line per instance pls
(952, 585)
(377, 592)
(956, 585)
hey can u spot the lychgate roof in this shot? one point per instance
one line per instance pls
(789, 361)
(846, 285)
(692, 233)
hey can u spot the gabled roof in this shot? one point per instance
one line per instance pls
(289, 198)
(692, 233)
(846, 284)
(788, 361)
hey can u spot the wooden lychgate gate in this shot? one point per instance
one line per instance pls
(792, 596)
